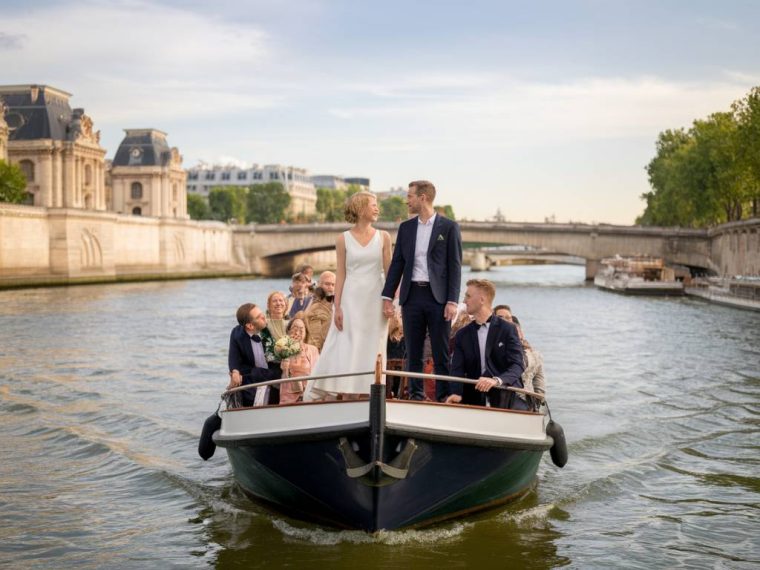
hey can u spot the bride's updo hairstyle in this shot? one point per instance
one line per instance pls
(356, 204)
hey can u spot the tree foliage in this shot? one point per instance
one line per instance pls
(267, 203)
(197, 208)
(12, 183)
(228, 203)
(708, 174)
(393, 209)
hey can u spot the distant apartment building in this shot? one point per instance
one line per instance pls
(296, 181)
(338, 182)
(399, 192)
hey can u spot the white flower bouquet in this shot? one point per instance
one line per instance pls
(286, 347)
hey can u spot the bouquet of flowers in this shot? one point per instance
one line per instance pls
(286, 347)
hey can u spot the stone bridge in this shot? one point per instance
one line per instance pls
(729, 249)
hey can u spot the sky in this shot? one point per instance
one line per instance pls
(535, 109)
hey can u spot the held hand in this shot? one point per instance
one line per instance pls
(450, 312)
(454, 399)
(485, 384)
(388, 309)
(339, 318)
(285, 365)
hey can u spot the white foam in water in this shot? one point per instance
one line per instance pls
(537, 514)
(324, 537)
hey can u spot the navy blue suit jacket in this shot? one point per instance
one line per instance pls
(240, 358)
(504, 358)
(444, 259)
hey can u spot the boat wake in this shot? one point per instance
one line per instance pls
(538, 514)
(324, 537)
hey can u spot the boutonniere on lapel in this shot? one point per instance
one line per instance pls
(501, 344)
(440, 237)
(267, 340)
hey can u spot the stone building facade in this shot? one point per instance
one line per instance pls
(147, 178)
(296, 181)
(56, 147)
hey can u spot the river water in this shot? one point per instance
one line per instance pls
(103, 391)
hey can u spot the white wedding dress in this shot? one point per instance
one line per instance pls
(365, 329)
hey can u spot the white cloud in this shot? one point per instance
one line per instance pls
(137, 61)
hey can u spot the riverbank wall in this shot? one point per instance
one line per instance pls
(59, 246)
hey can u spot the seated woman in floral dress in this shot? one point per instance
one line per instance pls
(299, 365)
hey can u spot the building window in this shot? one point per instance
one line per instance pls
(27, 167)
(274, 176)
(225, 175)
(88, 175)
(242, 175)
(137, 211)
(192, 176)
(174, 192)
(29, 199)
(209, 176)
(137, 192)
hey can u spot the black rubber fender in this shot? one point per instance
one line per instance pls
(558, 451)
(206, 445)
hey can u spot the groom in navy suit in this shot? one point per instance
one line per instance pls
(427, 261)
(487, 350)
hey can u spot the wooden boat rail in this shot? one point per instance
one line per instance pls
(379, 372)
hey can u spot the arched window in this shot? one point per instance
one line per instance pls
(137, 192)
(87, 174)
(27, 167)
(137, 211)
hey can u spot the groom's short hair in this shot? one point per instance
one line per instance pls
(424, 187)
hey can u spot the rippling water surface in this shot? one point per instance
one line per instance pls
(103, 391)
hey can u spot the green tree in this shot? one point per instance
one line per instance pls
(747, 112)
(228, 203)
(197, 208)
(12, 183)
(393, 209)
(330, 204)
(267, 203)
(446, 210)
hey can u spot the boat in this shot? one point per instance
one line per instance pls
(739, 292)
(377, 463)
(637, 275)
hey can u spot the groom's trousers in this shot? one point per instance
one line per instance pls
(423, 316)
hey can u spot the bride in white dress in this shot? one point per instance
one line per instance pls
(360, 331)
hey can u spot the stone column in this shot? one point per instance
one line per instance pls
(68, 176)
(45, 181)
(592, 266)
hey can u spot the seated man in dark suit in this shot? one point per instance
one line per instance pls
(247, 357)
(489, 350)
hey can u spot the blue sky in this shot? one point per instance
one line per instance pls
(538, 109)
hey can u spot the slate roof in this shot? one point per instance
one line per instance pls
(36, 112)
(143, 147)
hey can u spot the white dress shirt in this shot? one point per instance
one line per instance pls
(424, 233)
(259, 358)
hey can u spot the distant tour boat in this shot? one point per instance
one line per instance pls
(638, 275)
(375, 464)
(738, 292)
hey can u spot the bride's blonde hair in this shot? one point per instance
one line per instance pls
(356, 204)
